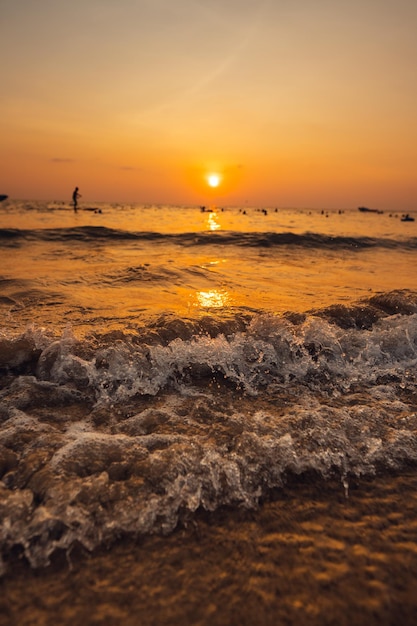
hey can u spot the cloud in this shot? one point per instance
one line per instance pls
(236, 166)
(60, 160)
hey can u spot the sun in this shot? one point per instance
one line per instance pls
(214, 180)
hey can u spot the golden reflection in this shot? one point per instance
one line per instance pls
(212, 223)
(213, 299)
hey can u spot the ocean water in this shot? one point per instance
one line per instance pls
(158, 360)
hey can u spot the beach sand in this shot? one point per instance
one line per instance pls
(308, 555)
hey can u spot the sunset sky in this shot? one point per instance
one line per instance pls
(290, 102)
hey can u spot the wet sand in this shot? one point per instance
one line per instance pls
(309, 555)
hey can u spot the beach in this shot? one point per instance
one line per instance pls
(207, 417)
(309, 555)
(208, 313)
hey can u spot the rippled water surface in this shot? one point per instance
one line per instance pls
(159, 360)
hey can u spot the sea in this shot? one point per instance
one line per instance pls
(157, 361)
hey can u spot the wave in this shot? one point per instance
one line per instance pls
(88, 234)
(249, 350)
(131, 432)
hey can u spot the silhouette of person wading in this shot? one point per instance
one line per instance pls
(75, 196)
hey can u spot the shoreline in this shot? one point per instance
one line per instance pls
(308, 555)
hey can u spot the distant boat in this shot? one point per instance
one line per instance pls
(365, 209)
(407, 218)
(3, 197)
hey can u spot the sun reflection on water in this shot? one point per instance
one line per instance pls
(212, 223)
(213, 299)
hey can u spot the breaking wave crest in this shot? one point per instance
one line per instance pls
(95, 444)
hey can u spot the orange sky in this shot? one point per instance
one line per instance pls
(293, 103)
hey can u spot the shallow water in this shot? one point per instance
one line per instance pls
(126, 263)
(153, 364)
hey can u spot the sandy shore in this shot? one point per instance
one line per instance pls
(309, 555)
